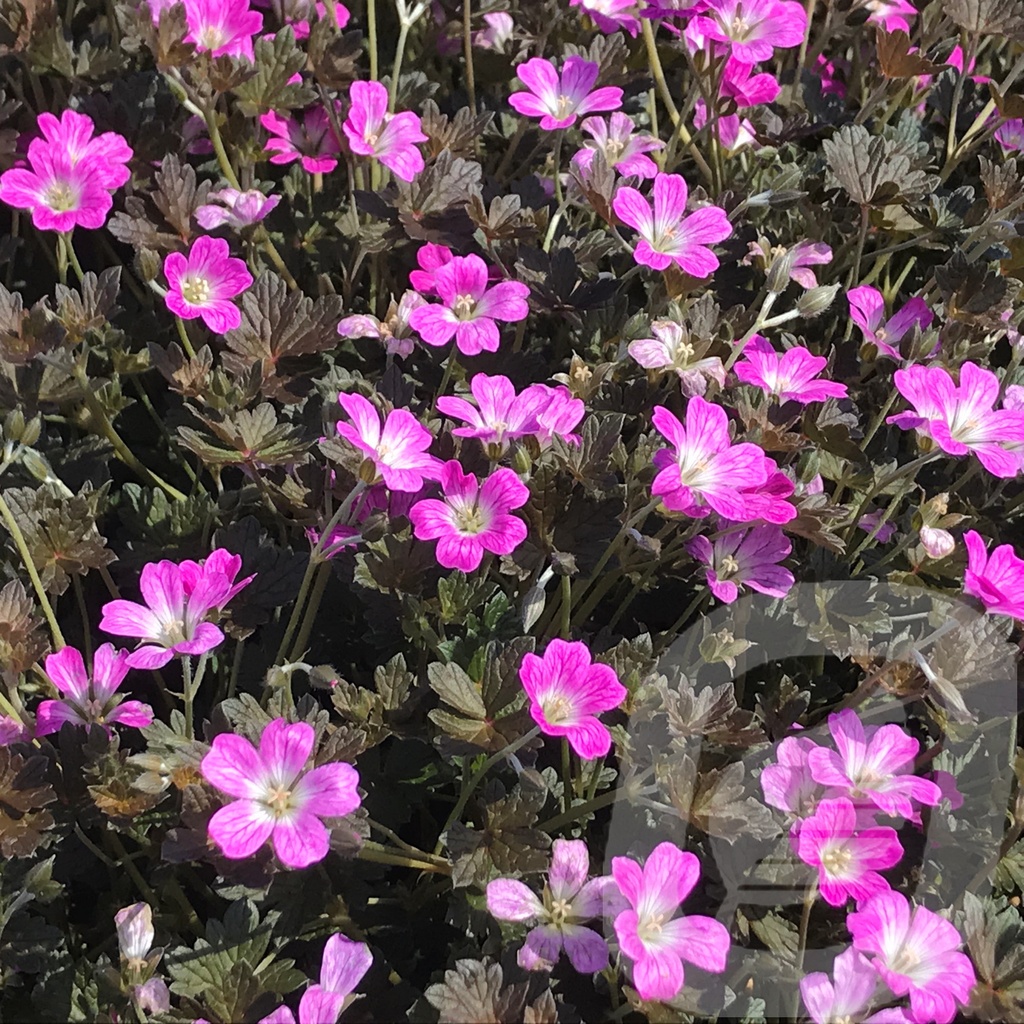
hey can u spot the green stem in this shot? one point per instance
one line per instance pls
(805, 920)
(699, 599)
(396, 67)
(76, 582)
(565, 628)
(579, 811)
(862, 234)
(371, 34)
(187, 694)
(476, 778)
(72, 256)
(316, 596)
(958, 92)
(183, 334)
(449, 367)
(30, 567)
(236, 665)
(381, 855)
(557, 160)
(567, 793)
(467, 51)
(890, 478)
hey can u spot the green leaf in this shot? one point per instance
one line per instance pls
(277, 60)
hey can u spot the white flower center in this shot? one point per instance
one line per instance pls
(556, 709)
(836, 861)
(279, 800)
(728, 567)
(60, 197)
(649, 928)
(464, 307)
(195, 290)
(212, 37)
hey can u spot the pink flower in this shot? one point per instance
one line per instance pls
(204, 282)
(468, 308)
(222, 28)
(394, 332)
(997, 580)
(960, 418)
(788, 784)
(1010, 135)
(559, 100)
(135, 933)
(276, 796)
(311, 140)
(740, 89)
(791, 377)
(376, 498)
(299, 14)
(670, 349)
(61, 194)
(473, 518)
(850, 996)
(498, 31)
(611, 15)
(916, 951)
(937, 543)
(179, 598)
(706, 470)
(107, 154)
(391, 138)
(622, 146)
(848, 857)
(808, 254)
(398, 451)
(667, 235)
(745, 558)
(557, 414)
(569, 900)
(567, 692)
(770, 501)
(753, 29)
(13, 731)
(236, 209)
(873, 765)
(430, 258)
(892, 15)
(650, 936)
(869, 524)
(499, 414)
(867, 310)
(89, 700)
(343, 966)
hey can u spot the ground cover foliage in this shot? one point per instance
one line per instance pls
(511, 510)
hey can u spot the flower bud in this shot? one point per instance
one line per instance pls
(522, 461)
(779, 272)
(36, 464)
(367, 471)
(938, 543)
(815, 301)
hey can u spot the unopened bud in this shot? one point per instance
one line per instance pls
(148, 264)
(522, 461)
(938, 543)
(368, 471)
(815, 301)
(779, 272)
(36, 464)
(14, 425)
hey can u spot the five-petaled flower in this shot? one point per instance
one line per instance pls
(391, 138)
(672, 349)
(996, 579)
(790, 377)
(473, 518)
(395, 451)
(203, 284)
(342, 968)
(867, 311)
(667, 234)
(651, 936)
(569, 900)
(468, 309)
(89, 698)
(568, 691)
(753, 29)
(236, 209)
(621, 145)
(559, 99)
(847, 851)
(849, 996)
(872, 765)
(222, 28)
(179, 598)
(277, 796)
(745, 558)
(916, 952)
(310, 140)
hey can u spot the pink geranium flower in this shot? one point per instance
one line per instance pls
(620, 143)
(430, 258)
(391, 138)
(222, 28)
(300, 13)
(916, 951)
(559, 99)
(569, 900)
(997, 580)
(342, 968)
(960, 418)
(276, 796)
(850, 996)
(706, 470)
(135, 936)
(867, 310)
(740, 89)
(650, 936)
(203, 283)
(770, 501)
(1010, 135)
(670, 349)
(847, 855)
(791, 377)
(892, 15)
(89, 699)
(567, 692)
(753, 29)
(236, 209)
(311, 140)
(61, 194)
(394, 332)
(748, 558)
(106, 154)
(473, 518)
(498, 29)
(179, 598)
(397, 451)
(557, 414)
(788, 784)
(873, 765)
(667, 234)
(611, 15)
(808, 254)
(468, 309)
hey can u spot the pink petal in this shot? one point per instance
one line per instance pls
(285, 749)
(330, 790)
(509, 900)
(234, 767)
(241, 828)
(301, 841)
